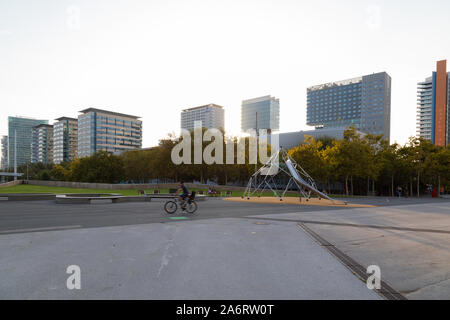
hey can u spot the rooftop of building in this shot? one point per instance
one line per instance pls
(259, 99)
(335, 84)
(42, 125)
(201, 107)
(25, 118)
(108, 112)
(340, 82)
(66, 118)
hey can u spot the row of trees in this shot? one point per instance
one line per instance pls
(369, 165)
(353, 165)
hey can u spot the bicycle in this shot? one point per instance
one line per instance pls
(190, 206)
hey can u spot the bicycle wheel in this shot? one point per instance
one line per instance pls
(170, 207)
(191, 207)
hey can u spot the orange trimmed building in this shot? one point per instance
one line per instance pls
(433, 103)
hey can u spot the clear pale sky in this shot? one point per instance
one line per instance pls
(153, 58)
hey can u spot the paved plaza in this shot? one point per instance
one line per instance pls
(231, 250)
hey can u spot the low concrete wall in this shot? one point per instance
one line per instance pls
(107, 186)
(10, 184)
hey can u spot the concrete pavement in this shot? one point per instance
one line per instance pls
(410, 242)
(230, 251)
(226, 258)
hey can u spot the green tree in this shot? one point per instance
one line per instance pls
(437, 167)
(101, 167)
(349, 158)
(311, 157)
(417, 152)
(59, 173)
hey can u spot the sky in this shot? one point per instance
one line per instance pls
(154, 58)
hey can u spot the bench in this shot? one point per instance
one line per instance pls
(68, 199)
(89, 199)
(27, 196)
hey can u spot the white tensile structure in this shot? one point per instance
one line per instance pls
(281, 164)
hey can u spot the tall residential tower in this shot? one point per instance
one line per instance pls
(210, 115)
(108, 131)
(65, 139)
(42, 144)
(433, 103)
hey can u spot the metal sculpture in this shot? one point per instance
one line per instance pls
(281, 164)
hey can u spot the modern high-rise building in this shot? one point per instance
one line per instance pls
(363, 102)
(65, 139)
(19, 130)
(108, 131)
(4, 152)
(42, 144)
(433, 104)
(210, 115)
(261, 113)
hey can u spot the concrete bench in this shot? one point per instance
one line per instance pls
(89, 199)
(27, 196)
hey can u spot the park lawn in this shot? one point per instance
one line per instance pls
(28, 188)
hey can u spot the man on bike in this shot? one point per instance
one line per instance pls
(183, 195)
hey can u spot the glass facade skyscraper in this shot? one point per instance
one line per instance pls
(433, 103)
(211, 116)
(23, 128)
(65, 139)
(108, 131)
(262, 112)
(363, 102)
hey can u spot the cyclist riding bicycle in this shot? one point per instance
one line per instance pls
(183, 195)
(184, 199)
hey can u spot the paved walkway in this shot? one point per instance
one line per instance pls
(225, 258)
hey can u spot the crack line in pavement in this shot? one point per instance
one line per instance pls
(166, 255)
(386, 291)
(352, 225)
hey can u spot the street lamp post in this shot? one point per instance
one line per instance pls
(256, 148)
(15, 155)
